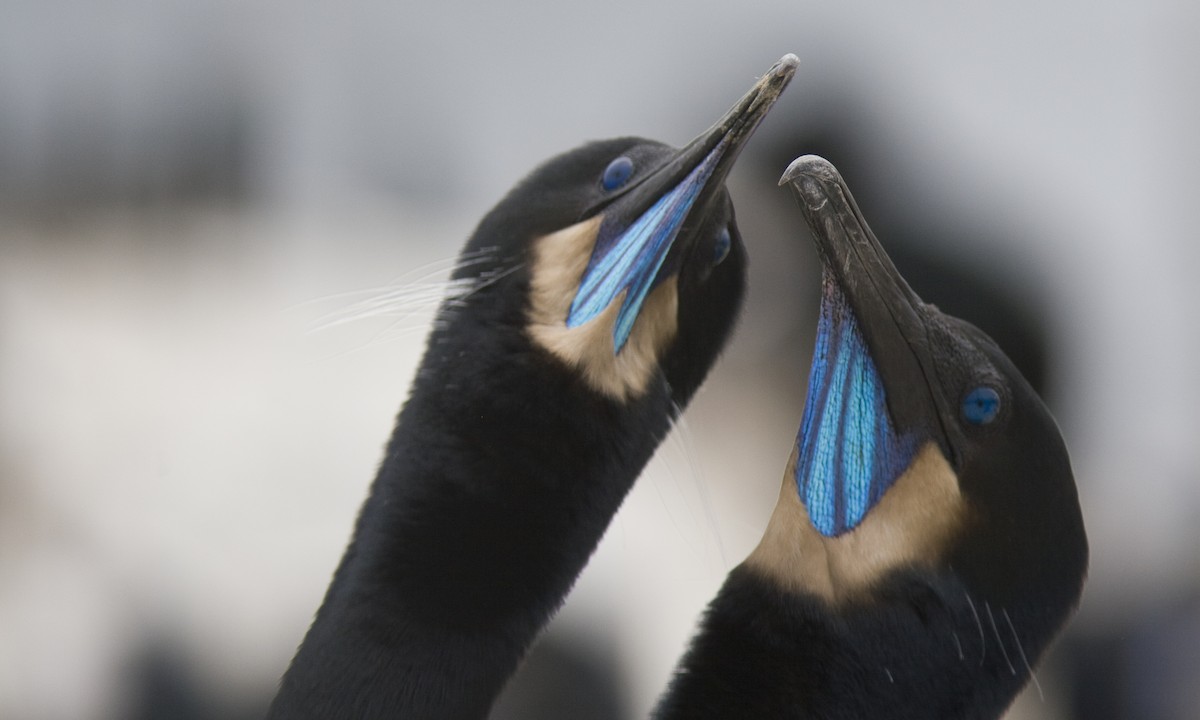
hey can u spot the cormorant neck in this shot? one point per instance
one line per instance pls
(920, 647)
(500, 478)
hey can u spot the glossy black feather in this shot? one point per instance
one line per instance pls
(953, 632)
(500, 477)
(765, 653)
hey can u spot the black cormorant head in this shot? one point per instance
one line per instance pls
(629, 266)
(922, 450)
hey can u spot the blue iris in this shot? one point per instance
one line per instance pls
(617, 173)
(981, 406)
(721, 249)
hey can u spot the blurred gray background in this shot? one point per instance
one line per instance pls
(195, 195)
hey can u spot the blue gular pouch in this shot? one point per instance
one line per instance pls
(849, 453)
(629, 261)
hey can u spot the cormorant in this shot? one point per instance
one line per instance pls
(604, 286)
(927, 543)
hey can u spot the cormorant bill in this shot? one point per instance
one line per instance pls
(601, 290)
(927, 544)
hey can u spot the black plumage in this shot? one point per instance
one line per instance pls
(940, 600)
(522, 434)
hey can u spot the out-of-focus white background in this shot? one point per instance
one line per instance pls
(188, 189)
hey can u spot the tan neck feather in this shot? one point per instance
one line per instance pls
(559, 260)
(909, 527)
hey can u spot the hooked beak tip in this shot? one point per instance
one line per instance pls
(813, 166)
(786, 67)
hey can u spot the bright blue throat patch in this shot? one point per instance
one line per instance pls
(631, 261)
(849, 452)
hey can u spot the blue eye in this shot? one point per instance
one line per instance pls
(721, 249)
(617, 173)
(981, 406)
